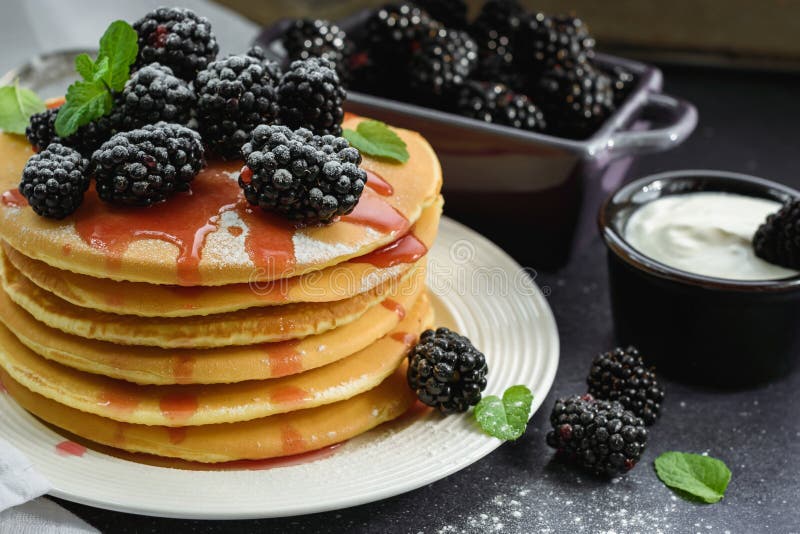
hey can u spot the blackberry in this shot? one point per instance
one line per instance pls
(54, 181)
(575, 98)
(145, 166)
(310, 96)
(446, 371)
(601, 436)
(778, 239)
(441, 64)
(622, 82)
(154, 94)
(496, 103)
(621, 375)
(41, 130)
(307, 38)
(495, 31)
(234, 95)
(543, 42)
(177, 38)
(392, 32)
(301, 176)
(451, 13)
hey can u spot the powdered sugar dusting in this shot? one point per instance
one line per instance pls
(226, 248)
(309, 251)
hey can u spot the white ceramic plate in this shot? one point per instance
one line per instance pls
(478, 289)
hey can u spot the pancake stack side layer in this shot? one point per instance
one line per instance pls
(205, 330)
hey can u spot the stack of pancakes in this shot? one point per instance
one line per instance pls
(207, 330)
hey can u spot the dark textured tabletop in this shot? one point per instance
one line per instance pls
(748, 123)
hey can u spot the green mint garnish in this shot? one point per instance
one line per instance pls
(506, 418)
(16, 107)
(91, 98)
(378, 140)
(700, 477)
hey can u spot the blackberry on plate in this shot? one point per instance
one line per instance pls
(778, 239)
(621, 375)
(496, 103)
(446, 371)
(303, 177)
(177, 38)
(310, 96)
(601, 436)
(451, 13)
(543, 42)
(234, 95)
(442, 63)
(306, 38)
(41, 130)
(154, 94)
(54, 181)
(145, 166)
(495, 30)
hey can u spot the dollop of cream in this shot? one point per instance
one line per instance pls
(708, 234)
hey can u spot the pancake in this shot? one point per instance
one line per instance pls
(211, 236)
(244, 327)
(268, 437)
(339, 282)
(191, 405)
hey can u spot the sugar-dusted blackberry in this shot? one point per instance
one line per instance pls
(310, 96)
(495, 30)
(303, 177)
(306, 38)
(154, 94)
(621, 375)
(41, 130)
(234, 95)
(144, 166)
(496, 103)
(543, 42)
(601, 436)
(778, 239)
(451, 13)
(442, 63)
(177, 38)
(575, 98)
(446, 371)
(54, 181)
(622, 81)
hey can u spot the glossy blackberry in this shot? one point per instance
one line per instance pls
(451, 13)
(621, 375)
(234, 95)
(575, 98)
(622, 81)
(543, 42)
(41, 130)
(495, 30)
(778, 239)
(177, 38)
(54, 181)
(154, 94)
(306, 38)
(496, 103)
(392, 32)
(144, 166)
(442, 63)
(310, 96)
(446, 371)
(303, 177)
(601, 436)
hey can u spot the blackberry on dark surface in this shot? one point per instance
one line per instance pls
(303, 177)
(392, 32)
(310, 96)
(154, 94)
(601, 436)
(54, 181)
(147, 165)
(778, 239)
(177, 38)
(234, 95)
(496, 103)
(446, 371)
(306, 38)
(622, 81)
(443, 62)
(495, 30)
(621, 375)
(41, 130)
(451, 13)
(543, 42)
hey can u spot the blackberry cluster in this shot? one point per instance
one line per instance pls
(392, 32)
(621, 375)
(54, 181)
(778, 239)
(544, 42)
(41, 130)
(234, 95)
(147, 165)
(451, 13)
(177, 38)
(307, 38)
(496, 103)
(310, 96)
(495, 31)
(154, 94)
(443, 62)
(599, 435)
(305, 178)
(446, 371)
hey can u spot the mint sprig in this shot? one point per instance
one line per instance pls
(17, 104)
(378, 140)
(505, 418)
(701, 477)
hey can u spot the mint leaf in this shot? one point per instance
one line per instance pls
(700, 476)
(119, 44)
(506, 418)
(101, 70)
(85, 66)
(16, 107)
(85, 102)
(378, 140)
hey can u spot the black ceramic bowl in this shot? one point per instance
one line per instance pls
(696, 328)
